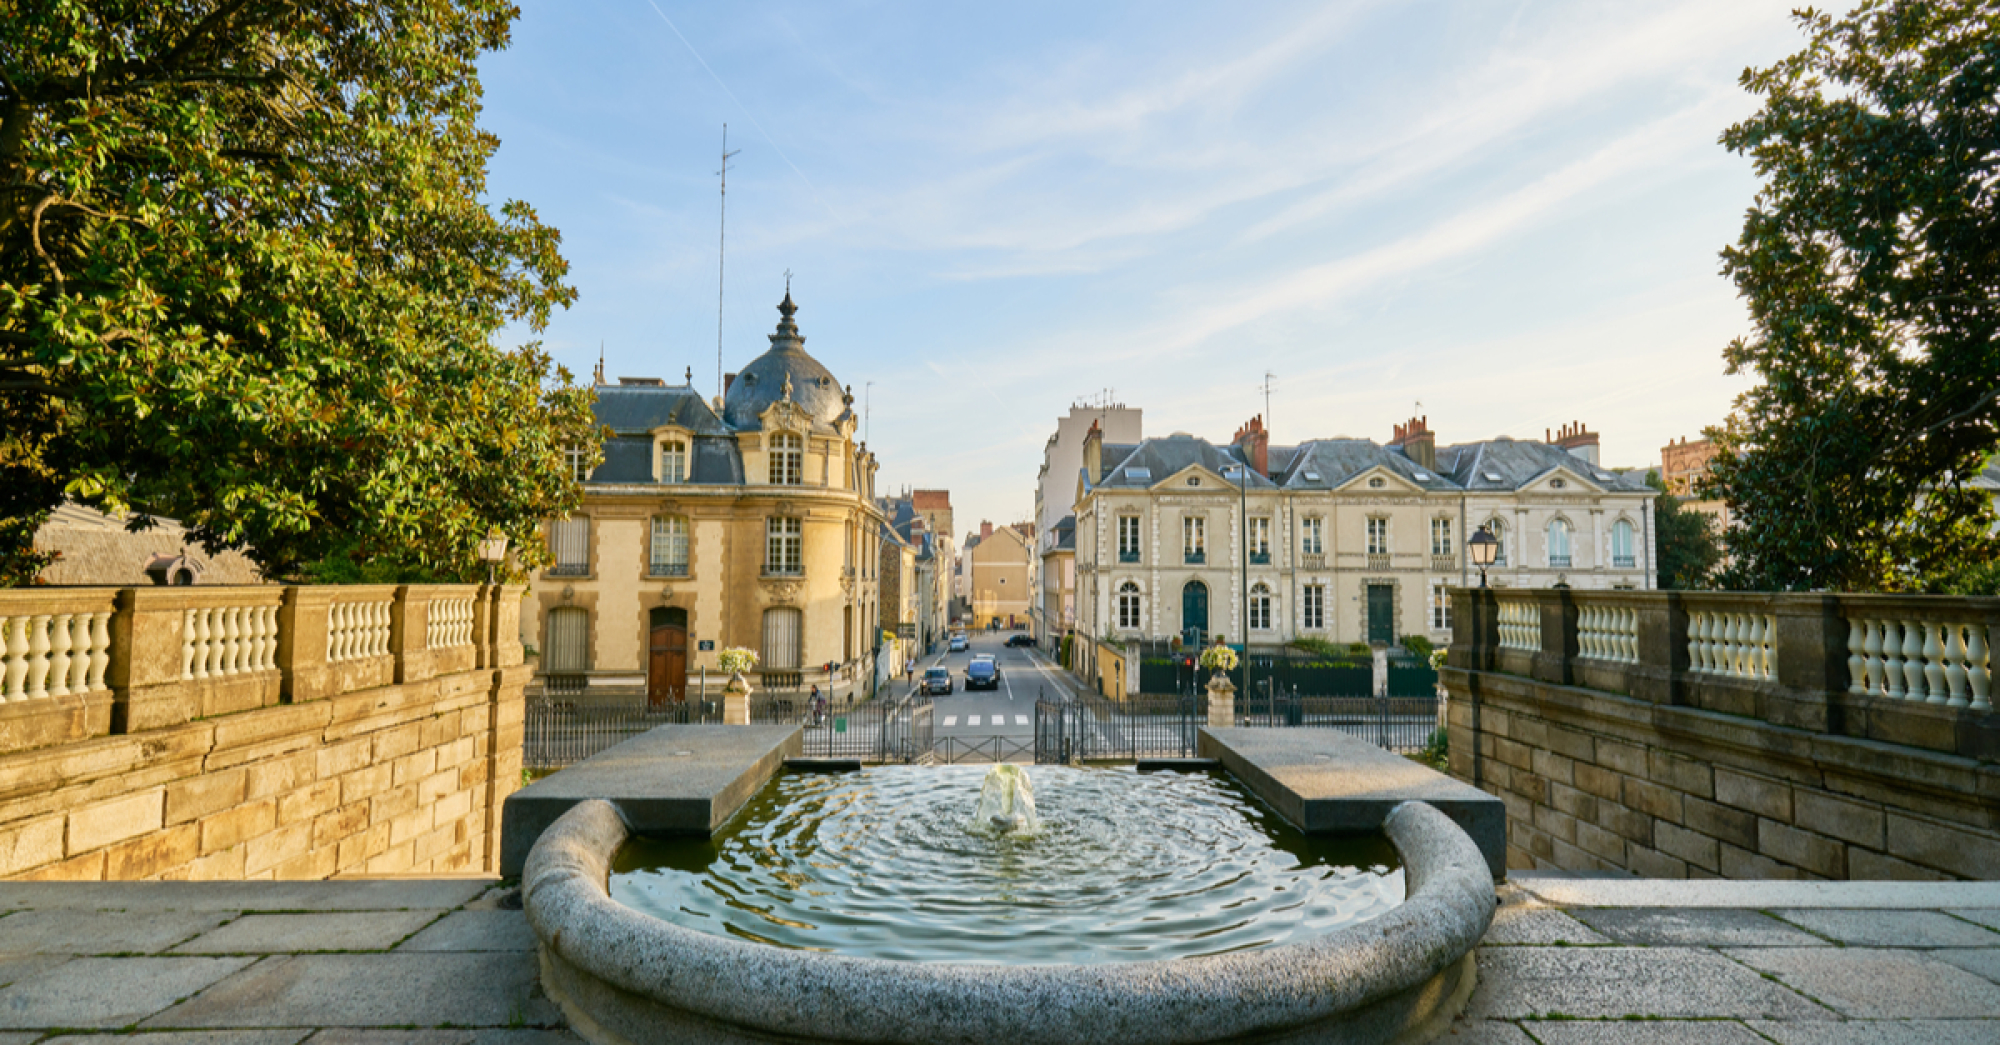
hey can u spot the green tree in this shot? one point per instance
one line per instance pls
(1689, 551)
(1870, 262)
(247, 280)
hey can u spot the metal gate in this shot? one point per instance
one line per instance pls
(1093, 729)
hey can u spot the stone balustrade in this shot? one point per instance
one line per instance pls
(53, 647)
(1520, 625)
(1608, 633)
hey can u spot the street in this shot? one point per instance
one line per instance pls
(967, 721)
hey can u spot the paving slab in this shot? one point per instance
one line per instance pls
(373, 990)
(1977, 961)
(1883, 1032)
(18, 1037)
(670, 780)
(1868, 983)
(491, 930)
(1326, 782)
(352, 1036)
(1574, 891)
(306, 933)
(1586, 982)
(1520, 924)
(498, 898)
(21, 967)
(1989, 917)
(334, 895)
(1483, 1032)
(1892, 928)
(1700, 927)
(1642, 1032)
(108, 992)
(287, 1036)
(526, 1037)
(103, 932)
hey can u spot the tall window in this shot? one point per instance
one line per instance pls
(782, 643)
(1260, 607)
(1378, 536)
(787, 460)
(670, 546)
(1440, 607)
(1314, 541)
(1260, 539)
(1194, 538)
(1621, 544)
(784, 545)
(1313, 607)
(565, 645)
(1128, 538)
(571, 538)
(673, 461)
(1499, 531)
(1441, 537)
(1128, 606)
(1558, 543)
(579, 463)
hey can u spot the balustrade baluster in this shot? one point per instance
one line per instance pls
(1934, 691)
(79, 657)
(59, 639)
(1857, 665)
(38, 656)
(1913, 661)
(1892, 659)
(100, 648)
(1954, 666)
(1978, 671)
(14, 654)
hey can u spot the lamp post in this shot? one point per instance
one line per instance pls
(1243, 538)
(492, 551)
(1482, 546)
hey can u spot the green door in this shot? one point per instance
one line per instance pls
(1194, 613)
(1381, 614)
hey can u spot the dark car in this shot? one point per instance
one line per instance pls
(1020, 640)
(937, 680)
(982, 673)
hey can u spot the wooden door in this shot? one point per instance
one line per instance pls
(1381, 614)
(666, 665)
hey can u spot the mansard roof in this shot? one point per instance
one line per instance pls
(638, 409)
(1515, 463)
(1156, 460)
(1328, 464)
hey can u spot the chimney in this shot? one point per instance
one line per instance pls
(1255, 444)
(985, 529)
(1418, 442)
(1093, 454)
(1577, 440)
(727, 380)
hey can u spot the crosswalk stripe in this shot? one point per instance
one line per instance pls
(951, 720)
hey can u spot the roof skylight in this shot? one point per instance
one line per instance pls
(1491, 477)
(1423, 477)
(1312, 477)
(1139, 473)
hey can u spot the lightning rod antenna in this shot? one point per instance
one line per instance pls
(1268, 378)
(721, 254)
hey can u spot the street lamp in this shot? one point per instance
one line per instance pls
(1243, 538)
(1482, 546)
(492, 551)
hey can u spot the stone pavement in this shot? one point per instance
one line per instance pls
(1569, 961)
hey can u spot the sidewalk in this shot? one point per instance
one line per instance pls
(1569, 961)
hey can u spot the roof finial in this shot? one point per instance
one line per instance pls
(690, 377)
(599, 375)
(788, 388)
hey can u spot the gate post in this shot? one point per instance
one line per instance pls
(1221, 701)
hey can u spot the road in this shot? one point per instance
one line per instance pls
(996, 722)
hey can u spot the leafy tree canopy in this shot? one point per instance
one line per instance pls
(1870, 262)
(1689, 552)
(247, 280)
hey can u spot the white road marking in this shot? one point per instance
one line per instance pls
(1020, 720)
(951, 720)
(972, 720)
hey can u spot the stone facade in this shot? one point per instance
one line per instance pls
(1738, 736)
(256, 733)
(999, 574)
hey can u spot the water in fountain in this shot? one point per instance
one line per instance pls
(1006, 803)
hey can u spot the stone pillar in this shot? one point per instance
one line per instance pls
(736, 701)
(1221, 701)
(1381, 669)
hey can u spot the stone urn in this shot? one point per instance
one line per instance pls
(1221, 701)
(736, 701)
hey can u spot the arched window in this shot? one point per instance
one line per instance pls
(1260, 607)
(1558, 543)
(787, 460)
(1621, 544)
(673, 461)
(1499, 531)
(670, 546)
(781, 640)
(1128, 606)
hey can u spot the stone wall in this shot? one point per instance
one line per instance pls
(1688, 736)
(219, 733)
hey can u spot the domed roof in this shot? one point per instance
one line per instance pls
(764, 381)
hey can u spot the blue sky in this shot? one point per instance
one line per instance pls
(1509, 213)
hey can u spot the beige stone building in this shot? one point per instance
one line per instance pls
(750, 522)
(91, 547)
(919, 520)
(999, 562)
(1683, 465)
(1347, 540)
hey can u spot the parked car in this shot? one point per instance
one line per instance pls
(1020, 640)
(937, 680)
(982, 673)
(959, 644)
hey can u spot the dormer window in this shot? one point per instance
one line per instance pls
(673, 461)
(787, 460)
(1376, 483)
(1557, 484)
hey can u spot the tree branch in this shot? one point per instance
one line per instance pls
(180, 51)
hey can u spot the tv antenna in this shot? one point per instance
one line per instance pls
(721, 254)
(1268, 378)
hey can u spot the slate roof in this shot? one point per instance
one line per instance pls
(638, 409)
(1520, 461)
(763, 382)
(1162, 458)
(1328, 464)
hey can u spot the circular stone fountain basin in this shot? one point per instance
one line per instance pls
(893, 863)
(623, 976)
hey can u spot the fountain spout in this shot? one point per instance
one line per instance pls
(1006, 803)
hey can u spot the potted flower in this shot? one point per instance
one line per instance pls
(1219, 658)
(735, 660)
